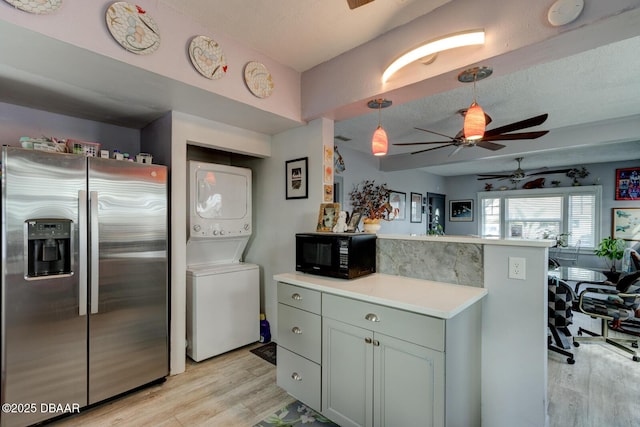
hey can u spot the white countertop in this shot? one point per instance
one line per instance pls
(442, 300)
(471, 239)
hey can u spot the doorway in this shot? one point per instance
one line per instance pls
(435, 213)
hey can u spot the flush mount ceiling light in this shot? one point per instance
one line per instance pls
(379, 142)
(467, 38)
(474, 118)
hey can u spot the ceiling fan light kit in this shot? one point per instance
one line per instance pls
(451, 41)
(379, 141)
(474, 131)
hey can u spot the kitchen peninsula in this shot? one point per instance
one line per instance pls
(381, 349)
(512, 325)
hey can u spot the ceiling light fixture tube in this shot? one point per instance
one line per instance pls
(467, 38)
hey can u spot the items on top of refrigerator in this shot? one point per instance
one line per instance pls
(43, 143)
(76, 146)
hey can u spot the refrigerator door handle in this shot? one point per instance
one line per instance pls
(93, 210)
(82, 267)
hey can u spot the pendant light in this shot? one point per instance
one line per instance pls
(379, 142)
(474, 119)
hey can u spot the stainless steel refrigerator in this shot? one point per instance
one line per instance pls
(84, 281)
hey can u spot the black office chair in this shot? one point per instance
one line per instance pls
(613, 306)
(560, 316)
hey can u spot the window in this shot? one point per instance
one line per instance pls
(542, 213)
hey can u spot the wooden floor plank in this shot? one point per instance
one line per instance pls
(239, 389)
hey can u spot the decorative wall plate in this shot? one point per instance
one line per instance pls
(258, 79)
(207, 57)
(133, 28)
(39, 7)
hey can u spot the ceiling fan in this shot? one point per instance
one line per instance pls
(357, 3)
(519, 174)
(497, 134)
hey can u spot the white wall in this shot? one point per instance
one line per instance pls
(361, 166)
(276, 220)
(514, 336)
(467, 187)
(17, 121)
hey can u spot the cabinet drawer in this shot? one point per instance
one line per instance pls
(300, 331)
(295, 296)
(299, 377)
(416, 328)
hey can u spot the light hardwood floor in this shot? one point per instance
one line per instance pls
(234, 389)
(239, 389)
(601, 389)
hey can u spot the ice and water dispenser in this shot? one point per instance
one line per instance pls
(48, 247)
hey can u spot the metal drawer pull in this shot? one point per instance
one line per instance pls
(296, 377)
(368, 340)
(296, 330)
(296, 297)
(372, 317)
(376, 343)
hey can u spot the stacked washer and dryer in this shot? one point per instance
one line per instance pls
(223, 293)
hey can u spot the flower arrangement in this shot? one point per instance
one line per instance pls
(372, 201)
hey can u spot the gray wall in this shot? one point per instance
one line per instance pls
(361, 166)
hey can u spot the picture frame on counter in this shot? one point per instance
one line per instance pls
(296, 175)
(354, 220)
(625, 223)
(398, 202)
(461, 210)
(416, 207)
(328, 216)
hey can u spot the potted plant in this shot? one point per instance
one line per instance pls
(372, 201)
(611, 250)
(577, 173)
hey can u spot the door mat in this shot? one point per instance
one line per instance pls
(296, 414)
(267, 352)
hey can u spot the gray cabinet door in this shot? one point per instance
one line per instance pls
(347, 374)
(408, 384)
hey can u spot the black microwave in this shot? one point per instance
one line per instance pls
(342, 255)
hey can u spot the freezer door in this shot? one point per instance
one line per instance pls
(128, 324)
(44, 321)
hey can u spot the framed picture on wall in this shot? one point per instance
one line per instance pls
(297, 184)
(398, 202)
(628, 184)
(461, 210)
(416, 207)
(626, 223)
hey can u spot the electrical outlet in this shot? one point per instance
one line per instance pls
(517, 268)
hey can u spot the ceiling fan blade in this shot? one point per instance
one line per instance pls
(514, 136)
(436, 133)
(487, 119)
(489, 145)
(458, 148)
(420, 143)
(522, 124)
(357, 3)
(550, 172)
(429, 149)
(484, 177)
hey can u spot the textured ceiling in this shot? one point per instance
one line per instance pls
(594, 86)
(302, 33)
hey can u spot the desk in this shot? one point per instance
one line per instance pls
(579, 275)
